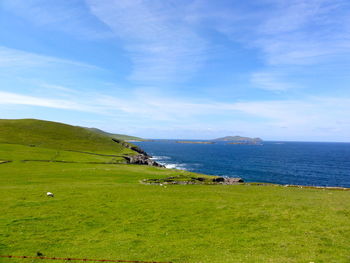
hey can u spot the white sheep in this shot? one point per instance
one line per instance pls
(50, 194)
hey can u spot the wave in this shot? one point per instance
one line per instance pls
(175, 166)
(166, 161)
(160, 158)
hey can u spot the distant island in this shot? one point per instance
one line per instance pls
(229, 139)
(196, 142)
(239, 140)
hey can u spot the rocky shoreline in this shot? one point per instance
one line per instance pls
(218, 180)
(142, 158)
(194, 180)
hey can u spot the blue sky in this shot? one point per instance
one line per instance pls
(201, 69)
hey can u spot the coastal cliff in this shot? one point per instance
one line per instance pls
(141, 158)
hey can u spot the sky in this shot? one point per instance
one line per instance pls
(187, 69)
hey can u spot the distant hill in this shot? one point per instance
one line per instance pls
(58, 136)
(239, 139)
(116, 136)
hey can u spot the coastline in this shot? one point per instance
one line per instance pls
(210, 179)
(300, 186)
(218, 180)
(290, 163)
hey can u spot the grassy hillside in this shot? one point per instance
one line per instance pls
(16, 152)
(101, 210)
(117, 136)
(58, 136)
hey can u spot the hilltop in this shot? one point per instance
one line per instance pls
(59, 136)
(117, 136)
(38, 140)
(239, 139)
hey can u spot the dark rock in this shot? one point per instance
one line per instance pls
(228, 181)
(141, 159)
(200, 179)
(219, 179)
(130, 146)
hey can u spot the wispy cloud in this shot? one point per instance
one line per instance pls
(161, 44)
(270, 81)
(71, 17)
(308, 117)
(14, 58)
(8, 98)
(57, 87)
(289, 45)
(288, 35)
(293, 32)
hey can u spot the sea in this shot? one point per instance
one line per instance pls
(296, 163)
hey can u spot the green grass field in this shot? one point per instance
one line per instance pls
(102, 211)
(16, 152)
(58, 136)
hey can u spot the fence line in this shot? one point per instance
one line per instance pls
(83, 259)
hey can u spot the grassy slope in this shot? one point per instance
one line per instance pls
(57, 136)
(15, 152)
(102, 211)
(117, 136)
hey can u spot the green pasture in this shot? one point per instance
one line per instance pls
(16, 152)
(58, 136)
(103, 212)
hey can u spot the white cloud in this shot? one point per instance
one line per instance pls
(308, 118)
(305, 32)
(309, 112)
(295, 32)
(162, 46)
(14, 58)
(161, 39)
(71, 17)
(295, 39)
(7, 98)
(270, 81)
(57, 87)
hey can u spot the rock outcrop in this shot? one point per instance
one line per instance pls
(142, 159)
(131, 146)
(185, 179)
(228, 180)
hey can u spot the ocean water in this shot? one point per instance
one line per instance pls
(301, 163)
